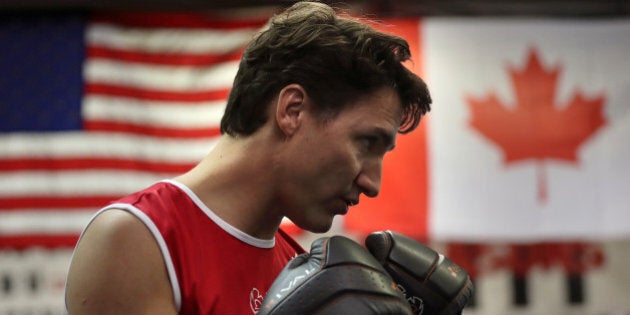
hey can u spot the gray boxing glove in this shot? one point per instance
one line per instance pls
(338, 277)
(432, 283)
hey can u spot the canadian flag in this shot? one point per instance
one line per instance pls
(528, 138)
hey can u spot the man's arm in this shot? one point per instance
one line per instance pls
(117, 268)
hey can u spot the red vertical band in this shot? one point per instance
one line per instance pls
(403, 200)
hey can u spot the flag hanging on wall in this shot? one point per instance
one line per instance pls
(527, 138)
(93, 109)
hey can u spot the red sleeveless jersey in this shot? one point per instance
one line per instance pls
(213, 267)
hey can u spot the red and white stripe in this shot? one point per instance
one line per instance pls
(155, 91)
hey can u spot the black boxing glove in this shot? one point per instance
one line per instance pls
(432, 283)
(338, 277)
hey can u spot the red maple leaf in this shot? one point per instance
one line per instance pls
(537, 128)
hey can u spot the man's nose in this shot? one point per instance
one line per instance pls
(369, 180)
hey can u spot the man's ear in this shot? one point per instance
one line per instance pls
(291, 105)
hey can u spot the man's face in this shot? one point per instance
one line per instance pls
(334, 162)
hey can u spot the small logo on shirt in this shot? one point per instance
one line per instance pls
(255, 300)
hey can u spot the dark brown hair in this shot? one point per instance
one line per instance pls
(336, 59)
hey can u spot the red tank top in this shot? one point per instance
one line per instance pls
(214, 268)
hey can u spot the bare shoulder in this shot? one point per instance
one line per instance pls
(117, 268)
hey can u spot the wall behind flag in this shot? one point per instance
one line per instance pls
(96, 106)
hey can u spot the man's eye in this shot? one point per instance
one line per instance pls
(369, 141)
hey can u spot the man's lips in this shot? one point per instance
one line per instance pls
(349, 203)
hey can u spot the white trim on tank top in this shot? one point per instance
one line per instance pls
(230, 229)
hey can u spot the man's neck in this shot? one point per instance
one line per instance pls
(235, 180)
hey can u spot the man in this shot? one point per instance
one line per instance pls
(316, 104)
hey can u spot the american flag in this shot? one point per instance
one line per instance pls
(93, 108)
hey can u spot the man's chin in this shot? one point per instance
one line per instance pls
(321, 229)
(321, 226)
